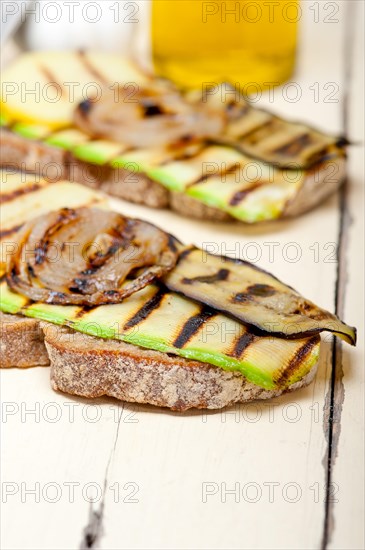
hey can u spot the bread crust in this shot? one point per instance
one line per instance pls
(123, 184)
(34, 156)
(22, 342)
(92, 367)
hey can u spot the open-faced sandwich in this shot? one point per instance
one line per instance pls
(98, 120)
(119, 307)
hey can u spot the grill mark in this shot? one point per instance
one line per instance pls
(253, 291)
(250, 137)
(183, 150)
(221, 275)
(243, 109)
(84, 107)
(295, 146)
(342, 141)
(308, 165)
(7, 232)
(66, 215)
(261, 290)
(151, 108)
(252, 130)
(230, 260)
(315, 160)
(174, 156)
(242, 344)
(185, 253)
(13, 275)
(24, 307)
(84, 310)
(192, 326)
(241, 297)
(240, 195)
(296, 361)
(7, 197)
(30, 271)
(172, 242)
(231, 169)
(52, 80)
(91, 69)
(142, 314)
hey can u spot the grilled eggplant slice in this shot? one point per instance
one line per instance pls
(259, 134)
(251, 295)
(164, 321)
(283, 143)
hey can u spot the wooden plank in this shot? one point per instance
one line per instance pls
(60, 451)
(344, 525)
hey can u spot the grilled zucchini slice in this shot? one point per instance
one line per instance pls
(156, 319)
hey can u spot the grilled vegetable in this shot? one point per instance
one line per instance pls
(60, 81)
(23, 196)
(251, 295)
(167, 322)
(150, 116)
(271, 139)
(84, 256)
(260, 166)
(152, 315)
(92, 257)
(220, 176)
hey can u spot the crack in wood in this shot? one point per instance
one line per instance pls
(94, 529)
(336, 394)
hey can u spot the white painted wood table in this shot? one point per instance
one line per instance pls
(286, 474)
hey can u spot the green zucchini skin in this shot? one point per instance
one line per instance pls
(165, 321)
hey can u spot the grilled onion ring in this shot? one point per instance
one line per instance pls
(156, 115)
(84, 256)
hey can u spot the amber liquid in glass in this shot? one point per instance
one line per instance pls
(196, 41)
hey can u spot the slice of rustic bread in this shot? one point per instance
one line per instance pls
(22, 342)
(54, 163)
(92, 367)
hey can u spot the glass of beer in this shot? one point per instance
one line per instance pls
(241, 42)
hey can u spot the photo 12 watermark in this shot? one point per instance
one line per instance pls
(253, 492)
(66, 11)
(26, 492)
